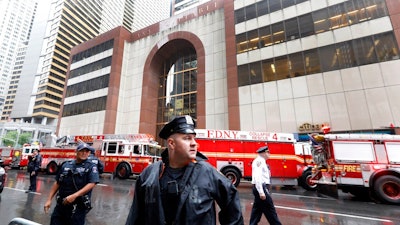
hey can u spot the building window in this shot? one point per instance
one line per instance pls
(368, 50)
(88, 85)
(255, 73)
(88, 106)
(268, 68)
(292, 29)
(103, 63)
(296, 65)
(386, 47)
(365, 51)
(330, 58)
(243, 75)
(327, 19)
(178, 87)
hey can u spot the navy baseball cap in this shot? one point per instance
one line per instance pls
(263, 149)
(83, 146)
(180, 124)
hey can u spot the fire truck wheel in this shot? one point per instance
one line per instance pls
(232, 175)
(123, 171)
(52, 168)
(305, 181)
(387, 188)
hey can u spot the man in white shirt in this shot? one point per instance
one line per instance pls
(261, 180)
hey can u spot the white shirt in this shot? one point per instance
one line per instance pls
(260, 174)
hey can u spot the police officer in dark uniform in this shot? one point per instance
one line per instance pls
(74, 183)
(34, 164)
(261, 180)
(183, 188)
(92, 158)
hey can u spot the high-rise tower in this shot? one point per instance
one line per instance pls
(15, 28)
(69, 23)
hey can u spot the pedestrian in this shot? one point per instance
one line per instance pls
(182, 188)
(74, 183)
(93, 158)
(261, 180)
(34, 164)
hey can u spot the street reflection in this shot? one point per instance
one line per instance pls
(112, 199)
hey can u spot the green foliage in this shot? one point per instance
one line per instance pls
(25, 138)
(11, 138)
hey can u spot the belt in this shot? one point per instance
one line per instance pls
(266, 185)
(262, 184)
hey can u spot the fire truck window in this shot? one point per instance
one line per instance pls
(121, 149)
(147, 150)
(136, 149)
(349, 151)
(112, 147)
(154, 151)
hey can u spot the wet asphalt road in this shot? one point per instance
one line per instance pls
(112, 199)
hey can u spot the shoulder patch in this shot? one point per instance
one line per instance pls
(94, 169)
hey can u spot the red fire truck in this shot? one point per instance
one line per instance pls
(126, 155)
(8, 155)
(122, 155)
(359, 164)
(22, 159)
(232, 153)
(52, 157)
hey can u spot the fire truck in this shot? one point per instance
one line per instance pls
(126, 155)
(358, 164)
(9, 154)
(21, 159)
(122, 155)
(232, 153)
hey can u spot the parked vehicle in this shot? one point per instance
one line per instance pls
(232, 153)
(2, 176)
(9, 154)
(361, 164)
(123, 155)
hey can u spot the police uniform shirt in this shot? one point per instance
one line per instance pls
(80, 173)
(260, 173)
(170, 193)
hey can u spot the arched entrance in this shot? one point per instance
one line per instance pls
(173, 82)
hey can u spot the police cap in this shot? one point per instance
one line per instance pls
(263, 149)
(180, 124)
(83, 146)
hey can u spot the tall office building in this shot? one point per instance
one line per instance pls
(14, 80)
(147, 12)
(67, 24)
(271, 65)
(180, 6)
(306, 64)
(16, 18)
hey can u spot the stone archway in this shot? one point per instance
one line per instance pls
(162, 51)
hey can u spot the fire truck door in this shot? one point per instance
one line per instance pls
(283, 161)
(222, 154)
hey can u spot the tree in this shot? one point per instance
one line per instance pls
(25, 138)
(10, 138)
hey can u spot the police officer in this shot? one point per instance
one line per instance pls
(92, 158)
(261, 180)
(35, 161)
(183, 187)
(74, 183)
